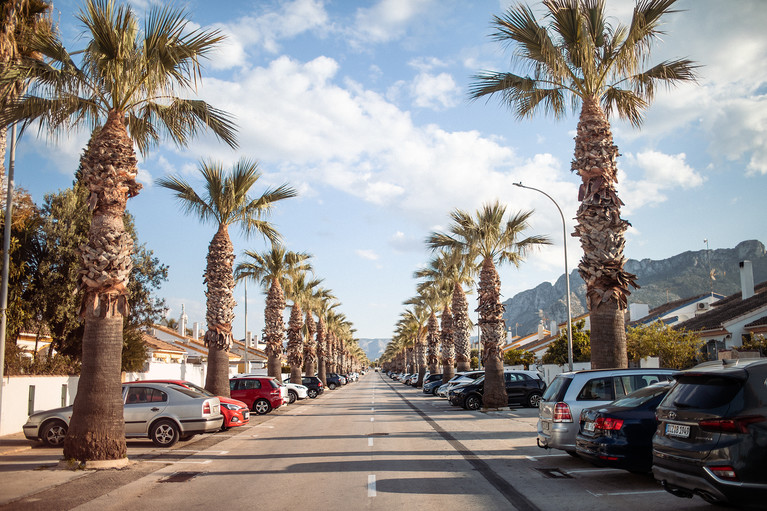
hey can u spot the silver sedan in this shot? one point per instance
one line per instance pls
(161, 412)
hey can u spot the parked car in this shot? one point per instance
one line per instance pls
(313, 385)
(619, 435)
(235, 412)
(522, 387)
(459, 378)
(413, 379)
(162, 412)
(431, 383)
(261, 394)
(711, 438)
(334, 380)
(571, 392)
(295, 391)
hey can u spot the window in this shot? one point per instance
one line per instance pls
(251, 384)
(598, 389)
(138, 395)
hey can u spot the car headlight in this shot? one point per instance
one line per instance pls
(230, 406)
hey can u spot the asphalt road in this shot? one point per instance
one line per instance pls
(374, 444)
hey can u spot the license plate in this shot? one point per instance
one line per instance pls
(245, 415)
(677, 430)
(545, 426)
(589, 426)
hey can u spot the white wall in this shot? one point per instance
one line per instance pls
(48, 393)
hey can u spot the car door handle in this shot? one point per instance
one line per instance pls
(155, 409)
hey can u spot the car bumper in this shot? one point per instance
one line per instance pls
(556, 435)
(607, 452)
(208, 425)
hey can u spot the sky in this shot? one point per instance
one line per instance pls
(363, 108)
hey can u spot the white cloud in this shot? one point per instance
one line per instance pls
(388, 20)
(367, 254)
(659, 172)
(435, 91)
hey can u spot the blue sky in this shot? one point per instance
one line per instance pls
(362, 107)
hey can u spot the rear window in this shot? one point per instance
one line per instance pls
(557, 389)
(274, 384)
(703, 393)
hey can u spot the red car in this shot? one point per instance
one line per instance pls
(261, 393)
(236, 413)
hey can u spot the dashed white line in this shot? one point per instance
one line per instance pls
(371, 485)
(372, 419)
(370, 442)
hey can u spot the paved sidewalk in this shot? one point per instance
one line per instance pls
(14, 443)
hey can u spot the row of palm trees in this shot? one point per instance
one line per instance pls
(133, 88)
(577, 59)
(470, 250)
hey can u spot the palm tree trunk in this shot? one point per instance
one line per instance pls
(322, 352)
(491, 323)
(219, 278)
(274, 329)
(602, 234)
(461, 326)
(448, 347)
(97, 429)
(432, 340)
(295, 343)
(310, 346)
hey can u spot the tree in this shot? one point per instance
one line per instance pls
(125, 89)
(676, 349)
(225, 203)
(324, 310)
(517, 356)
(488, 239)
(273, 270)
(301, 291)
(580, 58)
(556, 353)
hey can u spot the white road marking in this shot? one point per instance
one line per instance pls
(182, 461)
(370, 442)
(372, 419)
(625, 493)
(372, 409)
(372, 485)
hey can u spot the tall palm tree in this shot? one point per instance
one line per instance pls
(273, 270)
(324, 310)
(488, 240)
(300, 292)
(225, 203)
(313, 304)
(581, 59)
(128, 89)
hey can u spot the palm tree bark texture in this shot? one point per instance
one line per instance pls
(295, 343)
(274, 328)
(601, 231)
(432, 341)
(322, 352)
(97, 428)
(461, 326)
(310, 346)
(219, 279)
(448, 348)
(491, 323)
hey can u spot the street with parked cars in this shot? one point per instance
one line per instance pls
(598, 439)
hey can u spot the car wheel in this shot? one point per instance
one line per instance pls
(312, 393)
(292, 396)
(164, 433)
(573, 454)
(534, 400)
(472, 402)
(434, 391)
(332, 386)
(53, 433)
(262, 407)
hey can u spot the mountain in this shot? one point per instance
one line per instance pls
(373, 348)
(681, 276)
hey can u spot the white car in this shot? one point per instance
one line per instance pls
(295, 391)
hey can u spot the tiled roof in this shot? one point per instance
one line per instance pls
(661, 310)
(759, 322)
(731, 307)
(157, 344)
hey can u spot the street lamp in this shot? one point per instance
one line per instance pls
(567, 276)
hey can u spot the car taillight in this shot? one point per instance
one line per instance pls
(725, 472)
(608, 423)
(206, 407)
(562, 413)
(736, 425)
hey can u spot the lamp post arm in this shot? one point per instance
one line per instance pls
(567, 275)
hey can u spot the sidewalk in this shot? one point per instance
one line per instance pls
(14, 443)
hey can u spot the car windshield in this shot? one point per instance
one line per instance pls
(479, 380)
(199, 389)
(641, 396)
(187, 391)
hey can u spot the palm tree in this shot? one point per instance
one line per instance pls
(324, 310)
(301, 292)
(488, 240)
(273, 270)
(581, 58)
(313, 304)
(126, 89)
(225, 202)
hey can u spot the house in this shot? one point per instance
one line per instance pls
(674, 312)
(733, 319)
(538, 343)
(161, 351)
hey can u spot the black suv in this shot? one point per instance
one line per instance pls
(334, 380)
(313, 384)
(711, 439)
(522, 387)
